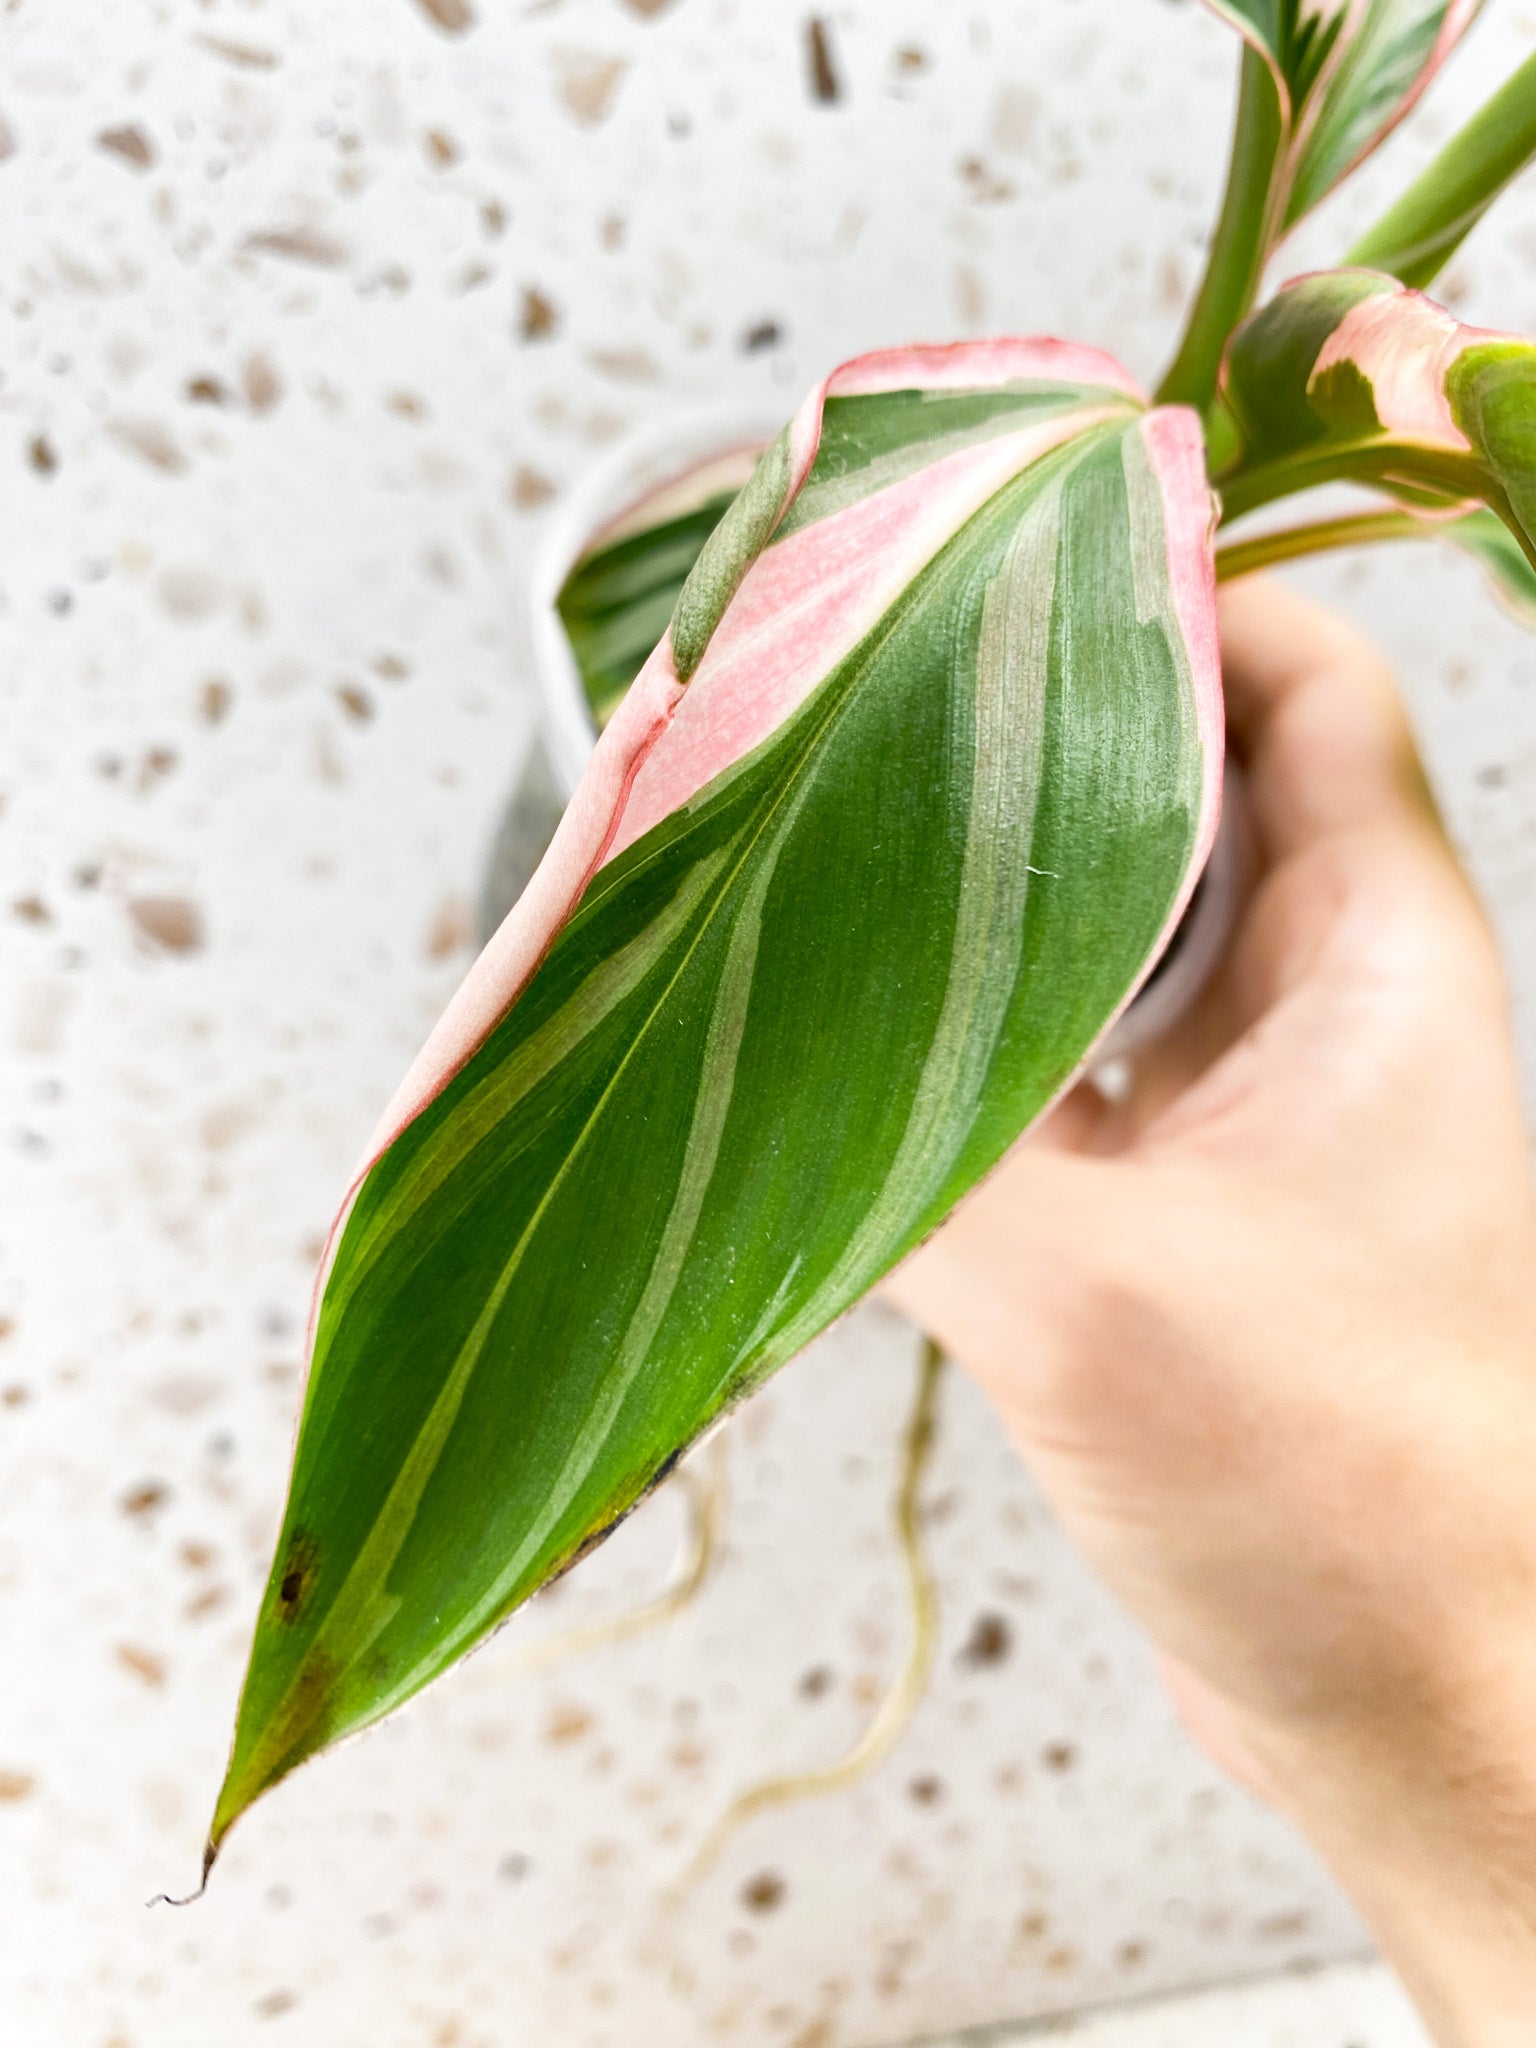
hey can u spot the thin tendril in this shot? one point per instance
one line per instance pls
(895, 1710)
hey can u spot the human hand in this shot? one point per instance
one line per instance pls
(1265, 1331)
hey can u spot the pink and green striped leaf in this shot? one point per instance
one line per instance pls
(1346, 374)
(889, 828)
(1346, 72)
(618, 599)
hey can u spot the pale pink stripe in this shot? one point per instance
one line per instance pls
(1405, 345)
(1175, 446)
(808, 601)
(978, 366)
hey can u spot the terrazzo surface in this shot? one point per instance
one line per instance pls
(312, 317)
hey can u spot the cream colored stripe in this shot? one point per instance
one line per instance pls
(1012, 663)
(348, 1633)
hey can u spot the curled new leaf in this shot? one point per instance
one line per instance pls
(1347, 374)
(1346, 72)
(616, 601)
(1417, 236)
(820, 934)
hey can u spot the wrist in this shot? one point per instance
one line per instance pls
(1431, 1829)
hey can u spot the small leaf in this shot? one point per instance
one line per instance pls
(818, 937)
(1417, 237)
(1347, 72)
(1348, 374)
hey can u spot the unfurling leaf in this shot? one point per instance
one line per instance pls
(1347, 374)
(1417, 237)
(1346, 72)
(618, 598)
(822, 931)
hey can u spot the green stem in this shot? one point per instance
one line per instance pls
(1449, 476)
(1239, 245)
(1242, 557)
(1418, 236)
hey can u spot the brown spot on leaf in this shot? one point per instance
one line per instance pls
(927, 1790)
(989, 1642)
(299, 244)
(14, 1396)
(15, 1785)
(910, 58)
(764, 1892)
(760, 335)
(391, 668)
(587, 84)
(144, 1664)
(41, 456)
(1130, 1955)
(173, 923)
(301, 1567)
(647, 9)
(826, 86)
(209, 1601)
(32, 910)
(144, 1498)
(452, 16)
(538, 317)
(441, 149)
(263, 387)
(130, 143)
(273, 2004)
(1034, 1926)
(1058, 1757)
(207, 391)
(815, 1682)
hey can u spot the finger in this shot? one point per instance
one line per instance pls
(1317, 721)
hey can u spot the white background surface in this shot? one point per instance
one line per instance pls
(274, 451)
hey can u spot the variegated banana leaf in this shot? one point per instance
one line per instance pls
(891, 825)
(617, 600)
(1347, 374)
(1345, 73)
